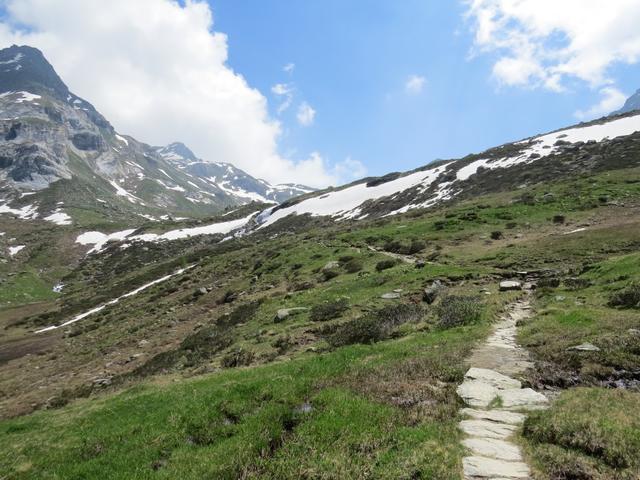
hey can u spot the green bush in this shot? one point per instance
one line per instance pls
(375, 326)
(353, 266)
(329, 274)
(328, 310)
(385, 264)
(627, 298)
(456, 310)
(417, 246)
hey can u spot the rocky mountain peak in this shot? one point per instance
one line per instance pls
(24, 68)
(632, 103)
(177, 151)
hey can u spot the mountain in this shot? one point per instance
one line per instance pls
(232, 180)
(632, 103)
(58, 153)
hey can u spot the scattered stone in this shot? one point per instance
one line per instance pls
(585, 347)
(420, 263)
(487, 429)
(634, 331)
(477, 393)
(560, 298)
(390, 296)
(398, 290)
(508, 285)
(493, 448)
(432, 292)
(482, 467)
(493, 378)
(305, 408)
(143, 342)
(284, 313)
(331, 265)
(524, 398)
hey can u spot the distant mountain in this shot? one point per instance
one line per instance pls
(57, 152)
(632, 103)
(231, 179)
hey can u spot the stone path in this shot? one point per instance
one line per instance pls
(497, 402)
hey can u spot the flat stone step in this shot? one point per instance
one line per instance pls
(477, 393)
(523, 398)
(500, 416)
(493, 448)
(476, 468)
(487, 429)
(493, 378)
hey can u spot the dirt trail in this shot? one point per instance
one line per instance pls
(497, 403)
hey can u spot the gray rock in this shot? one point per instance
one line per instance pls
(585, 347)
(493, 448)
(331, 265)
(284, 313)
(493, 378)
(432, 292)
(507, 285)
(483, 467)
(487, 429)
(500, 416)
(477, 393)
(390, 296)
(524, 398)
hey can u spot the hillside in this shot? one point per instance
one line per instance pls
(326, 337)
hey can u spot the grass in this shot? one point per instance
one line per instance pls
(248, 423)
(588, 433)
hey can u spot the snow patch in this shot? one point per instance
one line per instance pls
(14, 250)
(59, 218)
(122, 139)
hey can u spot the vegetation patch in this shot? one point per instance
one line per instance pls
(458, 310)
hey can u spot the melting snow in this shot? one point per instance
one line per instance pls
(344, 203)
(99, 239)
(114, 301)
(123, 193)
(28, 212)
(16, 249)
(22, 96)
(59, 218)
(122, 139)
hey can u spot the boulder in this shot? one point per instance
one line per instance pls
(508, 285)
(331, 265)
(431, 293)
(585, 347)
(390, 296)
(284, 313)
(477, 393)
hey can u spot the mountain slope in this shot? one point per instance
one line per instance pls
(632, 103)
(57, 153)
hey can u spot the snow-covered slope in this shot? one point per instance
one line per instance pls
(428, 186)
(232, 180)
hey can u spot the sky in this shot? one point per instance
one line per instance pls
(325, 92)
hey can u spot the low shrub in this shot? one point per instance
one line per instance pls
(353, 266)
(417, 246)
(627, 298)
(375, 326)
(574, 283)
(549, 282)
(496, 235)
(237, 358)
(328, 310)
(458, 310)
(385, 264)
(329, 274)
(559, 219)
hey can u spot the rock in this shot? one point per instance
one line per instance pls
(203, 290)
(420, 263)
(560, 298)
(476, 393)
(487, 429)
(305, 408)
(482, 467)
(507, 285)
(501, 416)
(634, 331)
(397, 290)
(284, 313)
(390, 296)
(331, 265)
(143, 342)
(432, 292)
(585, 347)
(493, 448)
(493, 378)
(524, 398)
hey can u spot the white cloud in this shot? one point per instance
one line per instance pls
(289, 67)
(349, 169)
(545, 43)
(157, 71)
(414, 84)
(612, 99)
(285, 91)
(306, 114)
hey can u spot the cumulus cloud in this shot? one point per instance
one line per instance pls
(611, 99)
(306, 114)
(158, 71)
(414, 84)
(546, 43)
(350, 169)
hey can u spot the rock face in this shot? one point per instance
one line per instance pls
(632, 103)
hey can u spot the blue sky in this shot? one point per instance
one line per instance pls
(210, 73)
(352, 60)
